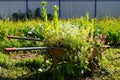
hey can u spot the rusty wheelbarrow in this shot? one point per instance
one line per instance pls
(56, 53)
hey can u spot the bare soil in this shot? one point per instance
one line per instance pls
(19, 56)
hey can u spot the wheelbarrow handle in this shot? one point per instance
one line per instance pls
(11, 36)
(10, 49)
(27, 48)
(24, 38)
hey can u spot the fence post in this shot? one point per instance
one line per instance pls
(59, 8)
(27, 8)
(95, 8)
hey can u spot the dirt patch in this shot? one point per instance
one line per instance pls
(19, 56)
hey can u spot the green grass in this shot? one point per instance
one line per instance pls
(11, 68)
(112, 64)
(70, 34)
(109, 64)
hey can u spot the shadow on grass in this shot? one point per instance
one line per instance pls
(6, 78)
(37, 76)
(47, 76)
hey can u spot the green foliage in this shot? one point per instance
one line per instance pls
(77, 66)
(12, 73)
(32, 63)
(55, 19)
(110, 63)
(18, 29)
(113, 38)
(74, 40)
(44, 10)
(5, 62)
(110, 28)
(39, 31)
(18, 16)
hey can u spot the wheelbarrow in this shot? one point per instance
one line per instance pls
(56, 53)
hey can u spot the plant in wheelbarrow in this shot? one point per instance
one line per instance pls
(78, 44)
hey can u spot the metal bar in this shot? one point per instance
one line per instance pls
(28, 48)
(24, 38)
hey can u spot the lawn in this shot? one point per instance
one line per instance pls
(109, 69)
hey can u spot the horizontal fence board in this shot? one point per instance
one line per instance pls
(63, 0)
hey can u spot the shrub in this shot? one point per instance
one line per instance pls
(38, 13)
(18, 16)
(113, 38)
(29, 14)
(110, 28)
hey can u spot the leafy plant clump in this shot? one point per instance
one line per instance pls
(79, 43)
(110, 28)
